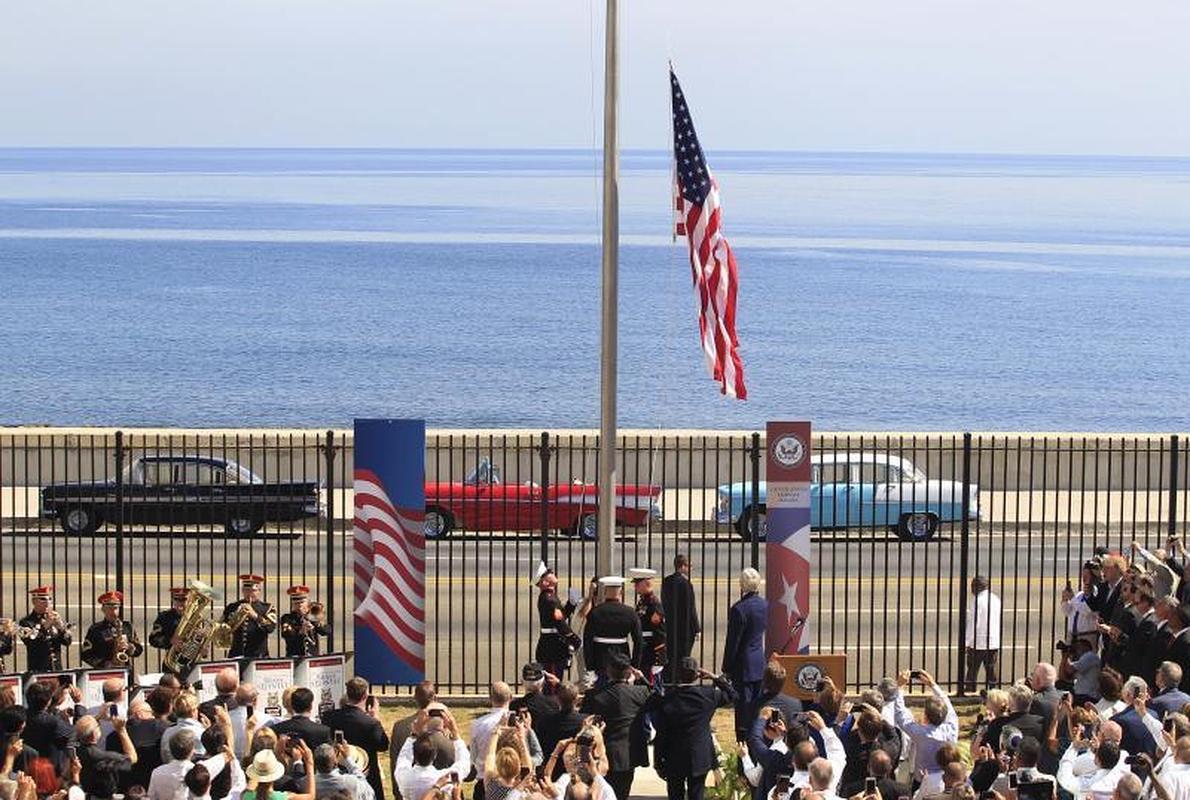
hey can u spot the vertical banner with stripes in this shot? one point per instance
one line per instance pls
(390, 550)
(787, 551)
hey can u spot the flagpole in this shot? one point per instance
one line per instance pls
(610, 322)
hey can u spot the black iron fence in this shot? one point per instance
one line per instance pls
(902, 524)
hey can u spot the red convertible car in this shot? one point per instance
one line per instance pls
(482, 502)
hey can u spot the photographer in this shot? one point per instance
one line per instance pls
(941, 727)
(1098, 783)
(102, 771)
(414, 770)
(1081, 666)
(583, 768)
(1170, 779)
(334, 771)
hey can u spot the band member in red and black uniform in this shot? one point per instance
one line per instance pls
(166, 624)
(43, 632)
(251, 638)
(302, 626)
(650, 659)
(111, 642)
(558, 641)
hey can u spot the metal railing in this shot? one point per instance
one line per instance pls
(1023, 510)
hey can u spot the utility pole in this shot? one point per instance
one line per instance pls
(610, 323)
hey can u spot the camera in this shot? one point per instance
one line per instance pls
(819, 685)
(1062, 646)
(915, 675)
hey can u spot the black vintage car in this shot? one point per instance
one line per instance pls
(180, 490)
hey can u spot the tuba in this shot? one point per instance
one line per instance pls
(196, 630)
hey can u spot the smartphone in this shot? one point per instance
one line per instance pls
(524, 773)
(113, 711)
(1013, 780)
(454, 777)
(371, 701)
(915, 675)
(782, 784)
(987, 794)
(869, 785)
(1168, 724)
(71, 752)
(339, 737)
(436, 712)
(774, 717)
(596, 719)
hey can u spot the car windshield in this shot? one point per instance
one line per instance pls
(484, 473)
(237, 473)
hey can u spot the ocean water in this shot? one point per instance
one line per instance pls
(289, 287)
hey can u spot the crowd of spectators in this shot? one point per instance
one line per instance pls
(168, 746)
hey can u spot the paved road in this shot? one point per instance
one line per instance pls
(885, 603)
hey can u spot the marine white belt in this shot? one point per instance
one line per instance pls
(606, 640)
(646, 634)
(549, 630)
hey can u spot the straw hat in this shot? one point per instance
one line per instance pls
(265, 768)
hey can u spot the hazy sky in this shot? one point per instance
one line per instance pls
(1055, 76)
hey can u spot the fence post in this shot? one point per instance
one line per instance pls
(330, 539)
(544, 454)
(754, 517)
(1173, 485)
(964, 551)
(120, 511)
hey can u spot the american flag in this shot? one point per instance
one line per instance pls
(712, 265)
(390, 569)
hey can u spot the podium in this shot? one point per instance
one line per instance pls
(802, 672)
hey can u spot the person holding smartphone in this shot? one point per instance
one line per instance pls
(360, 724)
(684, 749)
(939, 727)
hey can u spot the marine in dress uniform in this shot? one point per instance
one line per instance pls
(43, 632)
(300, 628)
(251, 639)
(166, 624)
(111, 642)
(651, 657)
(612, 627)
(557, 641)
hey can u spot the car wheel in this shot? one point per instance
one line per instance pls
(917, 527)
(744, 526)
(586, 528)
(242, 526)
(438, 524)
(80, 520)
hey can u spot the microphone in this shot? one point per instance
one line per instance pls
(793, 629)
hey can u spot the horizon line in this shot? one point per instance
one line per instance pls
(594, 151)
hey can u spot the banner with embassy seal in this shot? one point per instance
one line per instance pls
(787, 548)
(91, 685)
(271, 677)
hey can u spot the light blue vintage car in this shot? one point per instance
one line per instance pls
(859, 490)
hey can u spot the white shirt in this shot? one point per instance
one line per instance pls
(927, 738)
(481, 734)
(1079, 616)
(836, 755)
(1108, 709)
(1084, 762)
(1097, 785)
(168, 781)
(1175, 778)
(413, 781)
(181, 725)
(983, 622)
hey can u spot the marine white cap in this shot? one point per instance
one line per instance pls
(542, 571)
(611, 580)
(641, 573)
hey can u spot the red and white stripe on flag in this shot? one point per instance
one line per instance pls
(712, 265)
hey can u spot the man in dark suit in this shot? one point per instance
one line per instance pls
(1136, 738)
(541, 706)
(300, 725)
(1178, 650)
(1169, 697)
(622, 705)
(684, 751)
(563, 725)
(681, 615)
(1020, 700)
(361, 727)
(45, 731)
(773, 695)
(1106, 598)
(1136, 647)
(743, 653)
(227, 683)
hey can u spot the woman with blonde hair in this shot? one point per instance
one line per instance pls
(507, 766)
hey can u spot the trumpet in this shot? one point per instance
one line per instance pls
(317, 609)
